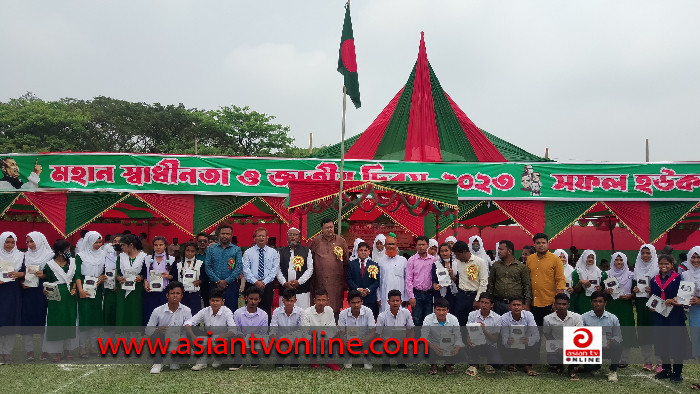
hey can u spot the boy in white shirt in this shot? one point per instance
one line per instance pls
(286, 319)
(441, 330)
(167, 320)
(357, 322)
(217, 318)
(519, 335)
(553, 331)
(395, 322)
(321, 315)
(488, 322)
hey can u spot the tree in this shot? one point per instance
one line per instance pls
(250, 133)
(104, 124)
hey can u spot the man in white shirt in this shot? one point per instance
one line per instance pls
(471, 277)
(167, 320)
(357, 321)
(217, 318)
(485, 324)
(321, 315)
(396, 322)
(286, 319)
(260, 266)
(296, 268)
(519, 337)
(441, 330)
(392, 271)
(554, 333)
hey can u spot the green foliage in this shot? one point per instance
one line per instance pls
(103, 124)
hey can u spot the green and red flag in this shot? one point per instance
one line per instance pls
(347, 61)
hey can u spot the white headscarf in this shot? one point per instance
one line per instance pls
(650, 269)
(14, 255)
(451, 238)
(481, 253)
(692, 274)
(92, 260)
(623, 276)
(353, 256)
(568, 269)
(43, 252)
(376, 254)
(585, 271)
(433, 243)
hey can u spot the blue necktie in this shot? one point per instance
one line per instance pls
(261, 264)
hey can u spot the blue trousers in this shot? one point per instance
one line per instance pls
(424, 306)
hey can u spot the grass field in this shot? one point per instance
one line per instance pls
(67, 378)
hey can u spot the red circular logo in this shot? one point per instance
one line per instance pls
(583, 337)
(347, 53)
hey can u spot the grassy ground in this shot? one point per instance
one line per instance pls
(66, 378)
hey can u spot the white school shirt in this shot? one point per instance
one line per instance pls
(402, 319)
(572, 319)
(527, 319)
(222, 319)
(492, 320)
(433, 331)
(325, 319)
(364, 319)
(280, 318)
(162, 316)
(392, 276)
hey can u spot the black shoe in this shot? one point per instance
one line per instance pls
(676, 378)
(386, 367)
(622, 365)
(279, 366)
(664, 374)
(402, 366)
(254, 365)
(294, 366)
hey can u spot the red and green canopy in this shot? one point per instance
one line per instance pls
(422, 123)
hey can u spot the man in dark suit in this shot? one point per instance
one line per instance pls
(363, 275)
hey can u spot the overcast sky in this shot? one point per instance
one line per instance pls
(588, 79)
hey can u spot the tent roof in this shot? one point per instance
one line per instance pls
(422, 123)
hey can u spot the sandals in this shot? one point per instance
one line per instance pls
(471, 371)
(449, 370)
(530, 371)
(695, 386)
(433, 370)
(489, 369)
(513, 368)
(573, 377)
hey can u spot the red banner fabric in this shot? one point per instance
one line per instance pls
(635, 215)
(528, 214)
(177, 208)
(52, 205)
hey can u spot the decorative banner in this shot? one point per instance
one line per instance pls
(83, 208)
(178, 208)
(6, 201)
(210, 210)
(52, 206)
(665, 215)
(270, 177)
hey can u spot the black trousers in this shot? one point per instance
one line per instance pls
(540, 312)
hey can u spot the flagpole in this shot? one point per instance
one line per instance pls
(342, 161)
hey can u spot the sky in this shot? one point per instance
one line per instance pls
(588, 79)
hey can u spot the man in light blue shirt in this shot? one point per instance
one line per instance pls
(260, 266)
(612, 334)
(223, 265)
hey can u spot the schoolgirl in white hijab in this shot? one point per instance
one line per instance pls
(38, 253)
(10, 297)
(587, 271)
(568, 269)
(353, 256)
(481, 253)
(623, 275)
(378, 254)
(646, 269)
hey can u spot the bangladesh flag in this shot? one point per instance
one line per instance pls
(347, 62)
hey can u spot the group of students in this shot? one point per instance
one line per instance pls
(119, 285)
(109, 286)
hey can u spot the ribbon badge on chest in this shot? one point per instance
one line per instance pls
(373, 271)
(338, 253)
(298, 262)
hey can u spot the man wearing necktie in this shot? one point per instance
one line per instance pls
(363, 276)
(260, 266)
